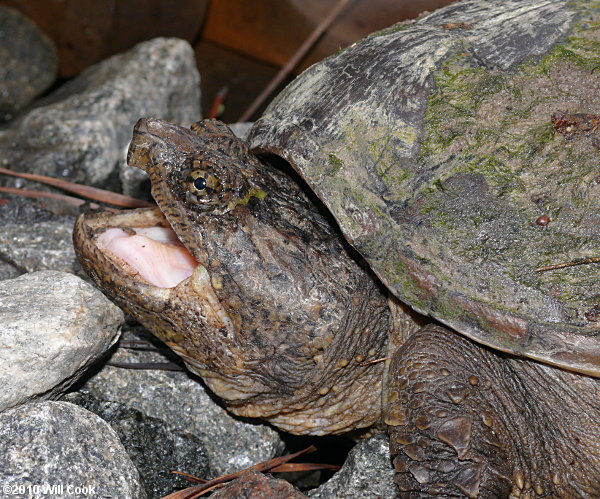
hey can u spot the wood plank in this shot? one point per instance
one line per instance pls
(271, 30)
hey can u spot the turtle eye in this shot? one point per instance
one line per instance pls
(200, 183)
(204, 183)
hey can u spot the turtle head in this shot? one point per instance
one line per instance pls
(243, 278)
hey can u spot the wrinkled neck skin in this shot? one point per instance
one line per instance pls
(277, 317)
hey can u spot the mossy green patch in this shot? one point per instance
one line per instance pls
(367, 154)
(255, 192)
(409, 288)
(499, 124)
(580, 52)
(335, 164)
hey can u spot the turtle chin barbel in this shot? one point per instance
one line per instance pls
(409, 139)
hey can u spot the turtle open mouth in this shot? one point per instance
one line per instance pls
(141, 244)
(155, 253)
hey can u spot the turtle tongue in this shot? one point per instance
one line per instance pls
(155, 253)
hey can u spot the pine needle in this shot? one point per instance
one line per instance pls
(573, 263)
(82, 190)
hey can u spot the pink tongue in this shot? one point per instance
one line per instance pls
(159, 258)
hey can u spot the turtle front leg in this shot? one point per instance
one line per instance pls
(465, 421)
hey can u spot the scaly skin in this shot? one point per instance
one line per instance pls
(469, 422)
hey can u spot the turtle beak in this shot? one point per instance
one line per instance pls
(157, 142)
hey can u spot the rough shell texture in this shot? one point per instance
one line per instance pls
(437, 144)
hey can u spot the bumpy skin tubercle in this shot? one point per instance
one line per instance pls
(278, 317)
(468, 422)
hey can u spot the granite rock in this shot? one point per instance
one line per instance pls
(154, 447)
(58, 449)
(28, 62)
(82, 130)
(39, 246)
(367, 472)
(36, 236)
(241, 129)
(8, 271)
(53, 326)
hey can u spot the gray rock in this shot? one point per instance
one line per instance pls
(241, 129)
(34, 238)
(367, 472)
(53, 325)
(57, 444)
(82, 130)
(8, 271)
(154, 447)
(28, 62)
(39, 246)
(23, 210)
(134, 182)
(182, 402)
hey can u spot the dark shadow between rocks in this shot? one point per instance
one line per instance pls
(331, 449)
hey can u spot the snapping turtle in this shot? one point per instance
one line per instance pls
(454, 156)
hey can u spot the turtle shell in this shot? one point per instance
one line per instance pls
(459, 153)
